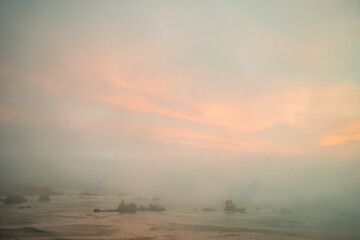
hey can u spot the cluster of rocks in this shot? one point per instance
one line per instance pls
(132, 208)
(126, 208)
(17, 199)
(22, 207)
(152, 207)
(230, 207)
(14, 199)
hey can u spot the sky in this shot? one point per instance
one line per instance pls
(177, 94)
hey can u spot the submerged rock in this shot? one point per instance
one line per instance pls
(230, 207)
(208, 209)
(14, 199)
(44, 198)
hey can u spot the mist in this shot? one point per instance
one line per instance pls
(196, 102)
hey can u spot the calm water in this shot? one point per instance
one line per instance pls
(72, 217)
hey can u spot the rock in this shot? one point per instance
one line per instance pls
(132, 208)
(127, 208)
(44, 198)
(208, 209)
(14, 199)
(155, 199)
(153, 208)
(230, 207)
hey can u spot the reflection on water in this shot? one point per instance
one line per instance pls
(72, 217)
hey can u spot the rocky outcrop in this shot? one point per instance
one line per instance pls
(127, 208)
(122, 208)
(230, 207)
(14, 199)
(132, 208)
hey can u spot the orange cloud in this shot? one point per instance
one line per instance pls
(343, 134)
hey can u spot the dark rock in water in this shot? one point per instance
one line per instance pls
(153, 208)
(22, 207)
(285, 210)
(230, 207)
(109, 210)
(14, 199)
(44, 198)
(127, 208)
(132, 208)
(208, 209)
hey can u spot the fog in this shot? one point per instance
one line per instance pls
(198, 101)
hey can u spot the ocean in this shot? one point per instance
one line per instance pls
(72, 217)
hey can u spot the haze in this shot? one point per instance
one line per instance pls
(257, 101)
